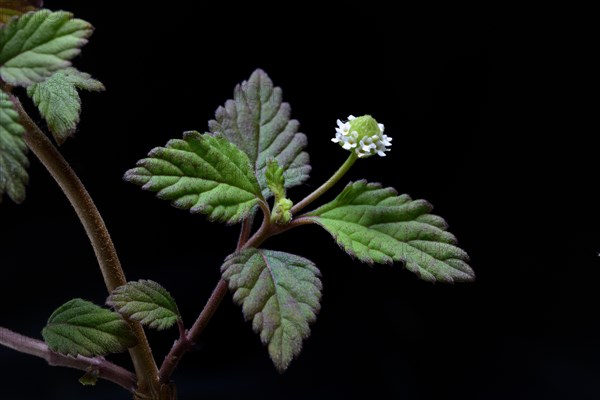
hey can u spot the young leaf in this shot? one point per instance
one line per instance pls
(81, 327)
(201, 173)
(58, 100)
(258, 122)
(11, 8)
(376, 225)
(13, 158)
(36, 44)
(275, 179)
(281, 293)
(147, 302)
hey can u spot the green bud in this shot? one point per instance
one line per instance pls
(365, 126)
(281, 214)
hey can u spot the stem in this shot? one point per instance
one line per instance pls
(245, 231)
(107, 370)
(327, 185)
(184, 344)
(265, 231)
(110, 266)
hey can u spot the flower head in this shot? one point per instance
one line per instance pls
(363, 135)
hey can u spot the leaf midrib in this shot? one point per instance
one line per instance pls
(387, 235)
(33, 49)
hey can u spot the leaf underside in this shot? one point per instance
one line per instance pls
(201, 173)
(280, 293)
(58, 100)
(80, 327)
(36, 44)
(13, 152)
(258, 122)
(376, 225)
(147, 302)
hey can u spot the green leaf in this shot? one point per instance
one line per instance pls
(280, 293)
(58, 100)
(36, 44)
(201, 173)
(147, 302)
(11, 8)
(258, 122)
(376, 225)
(82, 328)
(13, 152)
(275, 179)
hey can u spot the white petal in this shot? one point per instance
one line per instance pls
(335, 140)
(381, 153)
(340, 123)
(351, 117)
(381, 127)
(347, 146)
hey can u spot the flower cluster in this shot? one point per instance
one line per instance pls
(362, 135)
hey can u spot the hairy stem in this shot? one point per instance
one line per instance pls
(110, 266)
(106, 370)
(245, 231)
(327, 185)
(184, 344)
(266, 230)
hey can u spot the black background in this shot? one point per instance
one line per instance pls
(470, 105)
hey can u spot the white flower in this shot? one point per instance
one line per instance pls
(363, 135)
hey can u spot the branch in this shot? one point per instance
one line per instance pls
(107, 370)
(327, 185)
(78, 196)
(187, 339)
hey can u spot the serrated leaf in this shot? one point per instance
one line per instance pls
(13, 152)
(82, 328)
(275, 179)
(11, 8)
(147, 302)
(376, 225)
(201, 173)
(280, 293)
(258, 122)
(36, 44)
(58, 100)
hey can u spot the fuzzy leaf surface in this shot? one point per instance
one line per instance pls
(81, 327)
(36, 44)
(13, 152)
(258, 122)
(280, 293)
(376, 225)
(57, 99)
(147, 302)
(201, 173)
